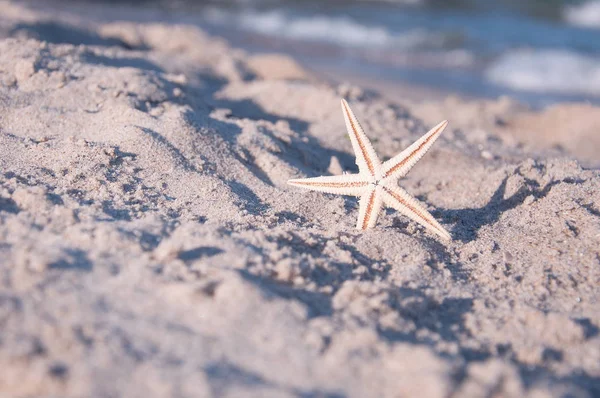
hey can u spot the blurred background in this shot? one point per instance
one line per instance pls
(539, 52)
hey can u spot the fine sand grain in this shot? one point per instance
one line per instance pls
(150, 247)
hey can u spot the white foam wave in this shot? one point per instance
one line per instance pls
(585, 14)
(337, 30)
(547, 71)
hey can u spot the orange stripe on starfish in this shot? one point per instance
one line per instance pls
(361, 144)
(333, 184)
(411, 208)
(413, 153)
(369, 210)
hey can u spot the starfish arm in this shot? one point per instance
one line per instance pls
(401, 164)
(366, 158)
(369, 208)
(348, 184)
(402, 201)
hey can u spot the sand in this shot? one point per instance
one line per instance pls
(150, 247)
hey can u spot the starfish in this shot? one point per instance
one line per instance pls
(377, 183)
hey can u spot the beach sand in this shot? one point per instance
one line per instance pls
(150, 246)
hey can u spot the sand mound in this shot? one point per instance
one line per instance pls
(149, 244)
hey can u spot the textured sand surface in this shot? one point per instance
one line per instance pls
(150, 247)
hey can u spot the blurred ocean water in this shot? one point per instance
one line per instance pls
(538, 51)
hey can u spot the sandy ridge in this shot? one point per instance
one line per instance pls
(149, 245)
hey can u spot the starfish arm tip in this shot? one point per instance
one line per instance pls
(344, 104)
(441, 126)
(440, 231)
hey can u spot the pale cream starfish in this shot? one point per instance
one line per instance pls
(377, 183)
